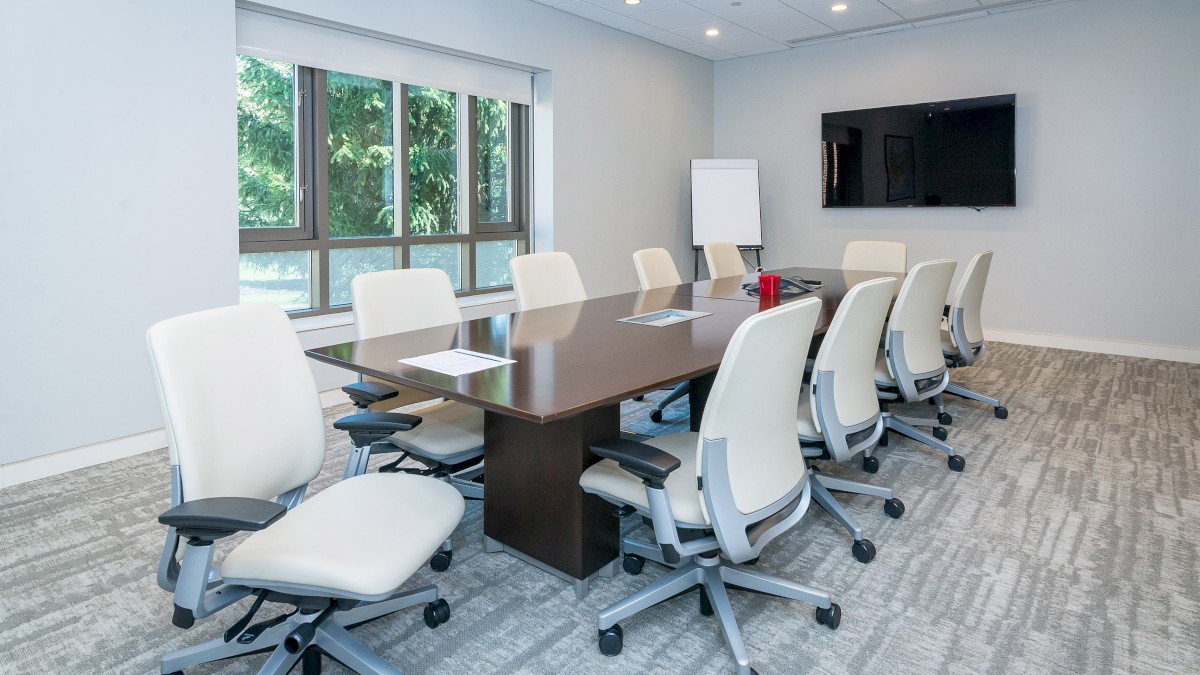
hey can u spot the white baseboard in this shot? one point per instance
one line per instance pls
(1079, 344)
(79, 458)
(106, 451)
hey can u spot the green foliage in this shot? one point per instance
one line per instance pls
(492, 125)
(266, 153)
(361, 200)
(432, 161)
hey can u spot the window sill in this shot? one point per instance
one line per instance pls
(313, 323)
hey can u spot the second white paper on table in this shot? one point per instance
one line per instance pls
(457, 362)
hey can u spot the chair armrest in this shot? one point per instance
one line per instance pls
(367, 428)
(388, 423)
(216, 517)
(644, 461)
(366, 393)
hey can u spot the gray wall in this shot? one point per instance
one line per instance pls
(1103, 241)
(117, 197)
(118, 189)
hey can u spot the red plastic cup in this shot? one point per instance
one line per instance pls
(768, 284)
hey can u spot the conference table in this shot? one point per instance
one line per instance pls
(575, 364)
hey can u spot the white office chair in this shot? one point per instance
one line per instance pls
(398, 301)
(656, 269)
(546, 279)
(838, 416)
(735, 486)
(876, 256)
(963, 344)
(724, 260)
(911, 367)
(339, 558)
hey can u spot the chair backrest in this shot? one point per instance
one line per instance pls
(965, 323)
(397, 301)
(239, 403)
(546, 279)
(752, 404)
(655, 268)
(723, 259)
(914, 334)
(843, 398)
(876, 256)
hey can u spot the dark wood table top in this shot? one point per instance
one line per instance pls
(835, 284)
(576, 357)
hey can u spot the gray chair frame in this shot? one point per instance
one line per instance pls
(198, 587)
(698, 561)
(912, 387)
(835, 443)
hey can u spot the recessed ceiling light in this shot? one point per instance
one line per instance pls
(840, 7)
(712, 32)
(633, 2)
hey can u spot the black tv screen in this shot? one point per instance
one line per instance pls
(944, 153)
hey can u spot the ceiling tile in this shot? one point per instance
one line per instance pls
(919, 9)
(631, 25)
(680, 16)
(727, 31)
(552, 3)
(775, 19)
(858, 14)
(750, 45)
(798, 33)
(728, 9)
(619, 6)
(693, 47)
(589, 11)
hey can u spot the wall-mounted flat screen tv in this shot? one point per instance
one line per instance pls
(944, 153)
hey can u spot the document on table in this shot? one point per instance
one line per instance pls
(457, 362)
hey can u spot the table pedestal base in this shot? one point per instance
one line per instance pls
(534, 507)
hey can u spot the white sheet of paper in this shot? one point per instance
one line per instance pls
(457, 362)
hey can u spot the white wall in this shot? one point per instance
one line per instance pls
(118, 190)
(117, 194)
(1104, 238)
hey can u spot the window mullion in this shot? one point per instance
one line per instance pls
(318, 159)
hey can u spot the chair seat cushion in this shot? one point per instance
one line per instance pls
(606, 477)
(948, 347)
(806, 428)
(364, 536)
(450, 431)
(882, 374)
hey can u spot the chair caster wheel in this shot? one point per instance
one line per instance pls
(940, 433)
(894, 508)
(945, 418)
(632, 564)
(830, 617)
(1001, 412)
(611, 640)
(871, 464)
(639, 398)
(706, 608)
(863, 550)
(656, 416)
(752, 562)
(956, 462)
(437, 613)
(440, 562)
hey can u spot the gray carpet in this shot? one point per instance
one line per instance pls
(1067, 546)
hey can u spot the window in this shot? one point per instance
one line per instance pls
(325, 192)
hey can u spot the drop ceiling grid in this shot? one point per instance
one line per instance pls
(749, 27)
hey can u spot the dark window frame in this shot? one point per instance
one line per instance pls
(311, 234)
